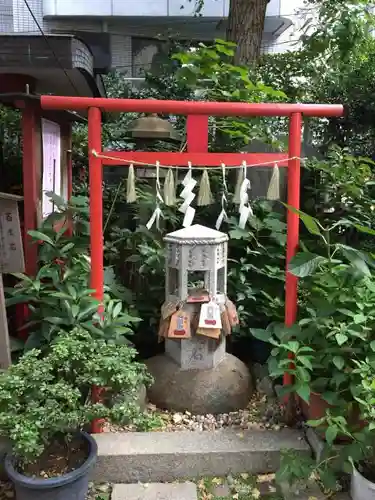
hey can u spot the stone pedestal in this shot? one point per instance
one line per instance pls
(224, 388)
(197, 353)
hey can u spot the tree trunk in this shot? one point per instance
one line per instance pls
(245, 28)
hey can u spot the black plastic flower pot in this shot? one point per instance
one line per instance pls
(71, 486)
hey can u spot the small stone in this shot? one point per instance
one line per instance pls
(230, 480)
(265, 386)
(103, 488)
(222, 490)
(177, 418)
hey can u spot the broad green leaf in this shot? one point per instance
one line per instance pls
(22, 277)
(274, 368)
(123, 330)
(305, 264)
(56, 321)
(238, 234)
(134, 258)
(303, 392)
(302, 374)
(16, 344)
(305, 361)
(37, 235)
(284, 390)
(292, 346)
(67, 247)
(364, 229)
(316, 423)
(18, 299)
(57, 200)
(117, 309)
(93, 329)
(339, 362)
(341, 338)
(33, 341)
(328, 478)
(372, 345)
(359, 318)
(261, 334)
(356, 258)
(75, 310)
(88, 312)
(311, 224)
(220, 41)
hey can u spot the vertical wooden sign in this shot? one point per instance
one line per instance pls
(11, 261)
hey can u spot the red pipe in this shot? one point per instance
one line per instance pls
(294, 178)
(96, 222)
(189, 107)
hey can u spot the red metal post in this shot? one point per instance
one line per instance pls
(197, 134)
(294, 178)
(96, 222)
(31, 183)
(96, 202)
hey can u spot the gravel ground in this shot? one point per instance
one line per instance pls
(96, 492)
(238, 487)
(261, 413)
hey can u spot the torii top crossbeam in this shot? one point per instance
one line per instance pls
(197, 153)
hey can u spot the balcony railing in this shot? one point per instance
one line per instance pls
(142, 8)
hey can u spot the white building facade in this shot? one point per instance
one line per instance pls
(123, 34)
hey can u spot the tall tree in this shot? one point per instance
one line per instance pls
(245, 28)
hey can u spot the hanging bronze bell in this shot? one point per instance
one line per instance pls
(153, 127)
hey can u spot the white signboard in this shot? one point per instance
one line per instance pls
(51, 141)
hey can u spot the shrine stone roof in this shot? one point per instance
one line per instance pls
(196, 235)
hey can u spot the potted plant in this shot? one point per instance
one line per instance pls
(363, 473)
(335, 326)
(45, 402)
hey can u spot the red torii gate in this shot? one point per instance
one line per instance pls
(197, 153)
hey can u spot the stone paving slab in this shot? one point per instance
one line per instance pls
(148, 457)
(155, 491)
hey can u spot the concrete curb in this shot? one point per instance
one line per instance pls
(155, 491)
(148, 457)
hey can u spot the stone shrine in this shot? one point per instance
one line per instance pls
(196, 249)
(196, 373)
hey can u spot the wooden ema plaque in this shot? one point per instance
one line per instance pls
(226, 326)
(198, 296)
(210, 316)
(179, 327)
(210, 320)
(232, 313)
(163, 329)
(212, 333)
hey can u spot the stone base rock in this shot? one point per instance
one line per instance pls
(225, 388)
